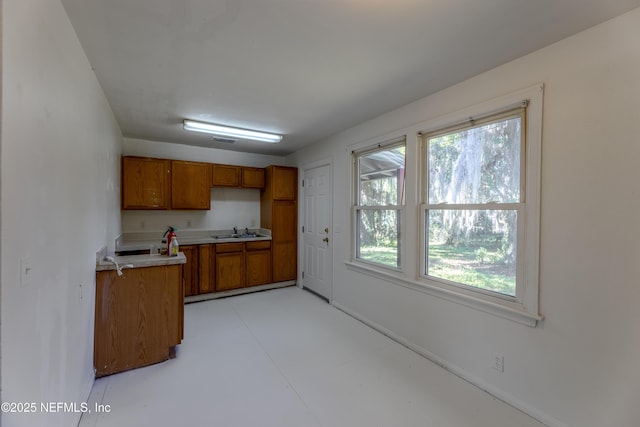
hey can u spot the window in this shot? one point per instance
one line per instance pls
(469, 232)
(475, 207)
(378, 205)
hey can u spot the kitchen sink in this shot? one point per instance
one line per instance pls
(238, 236)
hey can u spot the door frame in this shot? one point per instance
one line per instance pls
(327, 161)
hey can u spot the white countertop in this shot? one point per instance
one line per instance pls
(140, 261)
(144, 240)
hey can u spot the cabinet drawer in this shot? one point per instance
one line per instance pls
(229, 247)
(262, 244)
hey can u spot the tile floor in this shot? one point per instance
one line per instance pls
(287, 358)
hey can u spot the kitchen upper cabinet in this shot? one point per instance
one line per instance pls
(145, 183)
(253, 177)
(190, 185)
(226, 176)
(258, 262)
(279, 213)
(230, 267)
(284, 183)
(237, 176)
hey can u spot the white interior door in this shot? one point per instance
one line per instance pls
(317, 242)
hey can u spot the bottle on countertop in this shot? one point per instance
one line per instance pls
(173, 247)
(170, 234)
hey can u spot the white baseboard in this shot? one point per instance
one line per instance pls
(472, 379)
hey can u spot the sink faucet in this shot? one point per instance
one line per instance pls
(235, 230)
(246, 230)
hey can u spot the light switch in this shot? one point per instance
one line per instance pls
(26, 272)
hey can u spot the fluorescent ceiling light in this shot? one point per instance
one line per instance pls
(231, 132)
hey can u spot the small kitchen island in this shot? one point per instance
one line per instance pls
(139, 315)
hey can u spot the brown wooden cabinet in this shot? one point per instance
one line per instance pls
(148, 183)
(199, 270)
(284, 245)
(225, 176)
(258, 262)
(284, 183)
(279, 213)
(206, 272)
(230, 266)
(145, 183)
(252, 177)
(190, 270)
(190, 185)
(237, 176)
(139, 317)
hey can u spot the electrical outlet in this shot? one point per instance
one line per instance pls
(26, 271)
(498, 362)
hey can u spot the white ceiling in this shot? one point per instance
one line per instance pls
(304, 68)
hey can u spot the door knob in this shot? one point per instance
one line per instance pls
(326, 240)
(326, 230)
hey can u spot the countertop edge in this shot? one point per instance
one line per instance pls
(141, 261)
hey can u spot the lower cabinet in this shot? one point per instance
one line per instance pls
(258, 263)
(226, 266)
(198, 272)
(284, 261)
(190, 270)
(139, 317)
(230, 268)
(206, 273)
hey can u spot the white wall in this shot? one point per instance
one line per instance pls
(580, 366)
(230, 207)
(60, 148)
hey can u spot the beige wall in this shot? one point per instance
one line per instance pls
(60, 203)
(579, 367)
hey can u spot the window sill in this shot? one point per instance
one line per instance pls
(494, 308)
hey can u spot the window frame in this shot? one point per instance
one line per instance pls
(524, 306)
(518, 207)
(400, 208)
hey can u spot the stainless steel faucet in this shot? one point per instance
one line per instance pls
(235, 230)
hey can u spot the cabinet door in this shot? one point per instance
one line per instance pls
(252, 177)
(284, 261)
(206, 273)
(284, 221)
(145, 183)
(226, 176)
(190, 185)
(230, 271)
(258, 266)
(138, 317)
(285, 183)
(190, 270)
(284, 241)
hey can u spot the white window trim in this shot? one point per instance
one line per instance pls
(526, 307)
(368, 265)
(527, 311)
